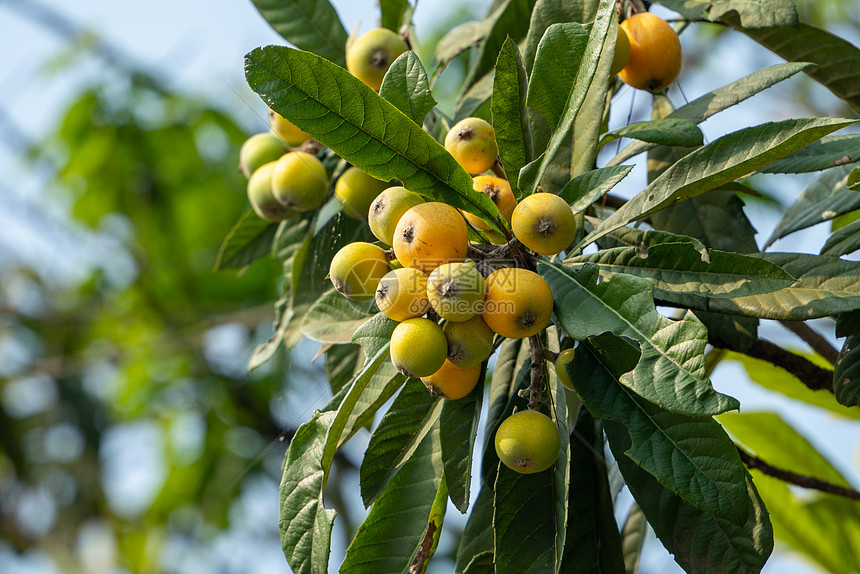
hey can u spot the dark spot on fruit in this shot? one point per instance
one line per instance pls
(409, 234)
(465, 133)
(379, 59)
(546, 226)
(527, 319)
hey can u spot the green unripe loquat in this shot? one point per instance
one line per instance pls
(261, 197)
(299, 181)
(369, 56)
(527, 442)
(387, 209)
(418, 347)
(286, 130)
(456, 291)
(260, 149)
(472, 142)
(402, 294)
(470, 342)
(357, 268)
(356, 190)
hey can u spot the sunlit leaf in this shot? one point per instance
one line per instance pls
(721, 161)
(672, 351)
(663, 131)
(691, 456)
(406, 86)
(759, 14)
(585, 189)
(831, 151)
(510, 113)
(311, 25)
(823, 199)
(250, 239)
(334, 318)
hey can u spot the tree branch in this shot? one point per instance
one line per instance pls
(536, 383)
(798, 479)
(812, 338)
(808, 372)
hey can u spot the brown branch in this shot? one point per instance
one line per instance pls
(536, 383)
(798, 479)
(808, 372)
(812, 338)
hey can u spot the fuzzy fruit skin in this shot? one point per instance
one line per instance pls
(387, 209)
(451, 382)
(564, 358)
(622, 52)
(357, 268)
(472, 142)
(402, 294)
(429, 235)
(286, 130)
(356, 190)
(369, 56)
(260, 195)
(299, 181)
(470, 342)
(527, 442)
(655, 53)
(456, 291)
(418, 347)
(544, 223)
(497, 189)
(518, 302)
(258, 150)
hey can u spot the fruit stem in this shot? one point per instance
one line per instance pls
(537, 381)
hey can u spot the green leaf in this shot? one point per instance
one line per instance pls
(248, 240)
(585, 189)
(672, 351)
(823, 199)
(337, 109)
(633, 538)
(769, 437)
(340, 365)
(531, 174)
(846, 376)
(662, 131)
(407, 87)
(509, 19)
(559, 56)
(305, 523)
(691, 456)
(843, 241)
(383, 384)
(678, 268)
(720, 99)
(393, 442)
(477, 539)
(848, 324)
(457, 41)
(392, 13)
(837, 60)
(824, 529)
(698, 540)
(311, 25)
(825, 286)
(524, 522)
(592, 543)
(720, 162)
(374, 334)
(739, 332)
(778, 380)
(334, 318)
(831, 151)
(459, 428)
(391, 537)
(758, 14)
(716, 218)
(510, 113)
(854, 179)
(646, 239)
(549, 12)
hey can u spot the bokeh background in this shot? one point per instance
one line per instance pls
(132, 437)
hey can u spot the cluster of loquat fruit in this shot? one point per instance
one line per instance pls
(451, 297)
